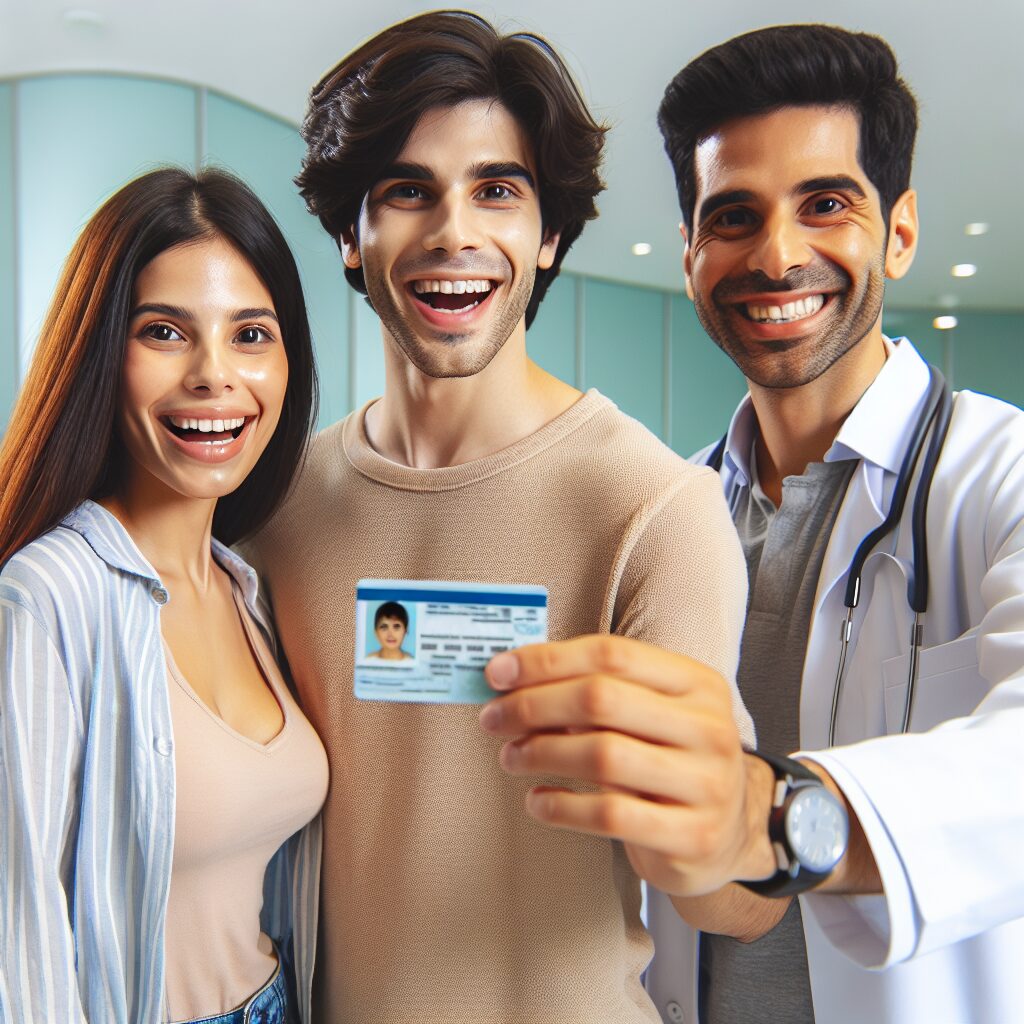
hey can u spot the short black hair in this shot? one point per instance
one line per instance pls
(790, 66)
(391, 610)
(362, 112)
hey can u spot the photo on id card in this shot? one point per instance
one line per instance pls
(427, 641)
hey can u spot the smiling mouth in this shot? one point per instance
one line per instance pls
(786, 313)
(452, 296)
(201, 431)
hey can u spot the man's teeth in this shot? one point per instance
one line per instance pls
(450, 287)
(784, 314)
(207, 426)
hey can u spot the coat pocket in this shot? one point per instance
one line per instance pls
(948, 685)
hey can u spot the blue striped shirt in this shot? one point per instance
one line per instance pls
(87, 785)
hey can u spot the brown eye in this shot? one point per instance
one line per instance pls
(252, 336)
(161, 332)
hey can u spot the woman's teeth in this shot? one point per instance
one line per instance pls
(784, 314)
(206, 426)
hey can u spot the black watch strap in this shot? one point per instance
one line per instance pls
(792, 877)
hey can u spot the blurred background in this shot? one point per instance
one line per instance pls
(93, 95)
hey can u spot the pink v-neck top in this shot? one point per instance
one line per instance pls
(236, 802)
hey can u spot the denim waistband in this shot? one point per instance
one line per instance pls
(270, 1005)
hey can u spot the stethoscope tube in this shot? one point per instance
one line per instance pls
(936, 416)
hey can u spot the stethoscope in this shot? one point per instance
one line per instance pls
(934, 417)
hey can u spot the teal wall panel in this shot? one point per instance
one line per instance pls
(551, 340)
(266, 153)
(706, 385)
(989, 354)
(624, 353)
(8, 325)
(369, 354)
(79, 138)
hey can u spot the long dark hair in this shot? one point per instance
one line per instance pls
(62, 445)
(364, 109)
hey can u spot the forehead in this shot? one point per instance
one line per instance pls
(449, 139)
(768, 153)
(205, 270)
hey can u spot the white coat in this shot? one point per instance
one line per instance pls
(943, 809)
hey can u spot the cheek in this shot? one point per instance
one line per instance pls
(267, 379)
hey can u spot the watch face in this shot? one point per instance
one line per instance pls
(816, 828)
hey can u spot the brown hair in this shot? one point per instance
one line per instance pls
(62, 446)
(362, 112)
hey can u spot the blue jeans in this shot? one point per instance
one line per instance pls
(270, 1005)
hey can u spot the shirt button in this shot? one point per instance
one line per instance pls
(160, 595)
(163, 746)
(674, 1012)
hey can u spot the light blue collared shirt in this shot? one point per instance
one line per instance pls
(87, 784)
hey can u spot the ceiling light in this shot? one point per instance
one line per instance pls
(977, 227)
(944, 323)
(964, 270)
(641, 248)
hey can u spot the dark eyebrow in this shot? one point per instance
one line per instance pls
(832, 183)
(418, 172)
(254, 313)
(175, 312)
(507, 169)
(414, 172)
(180, 313)
(719, 199)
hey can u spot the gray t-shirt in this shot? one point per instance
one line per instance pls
(766, 980)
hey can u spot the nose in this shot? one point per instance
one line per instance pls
(781, 246)
(454, 225)
(210, 371)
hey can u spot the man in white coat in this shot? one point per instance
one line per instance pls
(792, 150)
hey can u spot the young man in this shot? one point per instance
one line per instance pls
(455, 167)
(792, 150)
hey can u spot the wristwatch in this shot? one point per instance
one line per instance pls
(807, 826)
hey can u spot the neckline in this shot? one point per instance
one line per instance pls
(370, 463)
(270, 677)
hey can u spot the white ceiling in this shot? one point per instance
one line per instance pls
(964, 61)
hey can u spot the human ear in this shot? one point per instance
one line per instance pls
(903, 234)
(350, 249)
(548, 250)
(687, 262)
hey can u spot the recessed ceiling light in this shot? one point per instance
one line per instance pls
(641, 248)
(964, 270)
(944, 323)
(977, 227)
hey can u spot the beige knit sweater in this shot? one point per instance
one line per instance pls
(441, 900)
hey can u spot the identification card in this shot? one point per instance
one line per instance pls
(427, 642)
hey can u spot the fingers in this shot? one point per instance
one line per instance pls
(616, 656)
(609, 759)
(672, 830)
(602, 702)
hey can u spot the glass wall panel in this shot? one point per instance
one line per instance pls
(706, 385)
(551, 340)
(8, 327)
(369, 368)
(988, 354)
(624, 349)
(266, 153)
(79, 138)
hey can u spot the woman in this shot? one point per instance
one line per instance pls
(390, 624)
(151, 758)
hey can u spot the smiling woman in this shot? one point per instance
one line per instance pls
(158, 780)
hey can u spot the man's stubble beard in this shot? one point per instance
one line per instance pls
(448, 355)
(852, 317)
